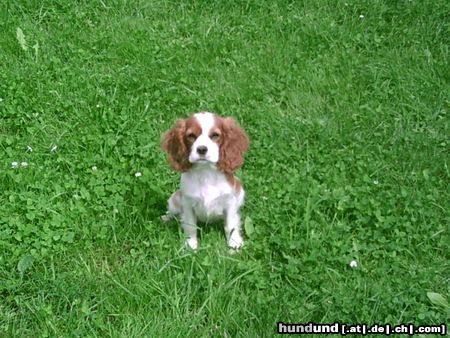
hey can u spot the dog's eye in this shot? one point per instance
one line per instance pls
(214, 136)
(191, 137)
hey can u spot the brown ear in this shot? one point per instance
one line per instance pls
(235, 144)
(172, 142)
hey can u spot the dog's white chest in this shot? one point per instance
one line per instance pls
(208, 196)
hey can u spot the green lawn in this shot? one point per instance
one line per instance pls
(346, 104)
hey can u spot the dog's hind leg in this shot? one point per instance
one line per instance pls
(173, 207)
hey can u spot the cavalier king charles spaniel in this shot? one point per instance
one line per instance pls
(207, 149)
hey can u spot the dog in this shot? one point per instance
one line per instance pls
(207, 149)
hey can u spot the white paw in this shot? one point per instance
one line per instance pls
(192, 243)
(166, 218)
(236, 241)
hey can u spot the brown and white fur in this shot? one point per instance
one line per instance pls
(207, 149)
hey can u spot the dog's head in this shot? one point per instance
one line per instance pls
(206, 138)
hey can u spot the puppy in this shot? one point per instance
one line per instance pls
(207, 149)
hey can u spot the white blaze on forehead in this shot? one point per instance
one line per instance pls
(206, 121)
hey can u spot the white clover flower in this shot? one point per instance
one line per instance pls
(361, 16)
(24, 164)
(15, 165)
(138, 174)
(29, 149)
(353, 264)
(376, 182)
(54, 148)
(94, 168)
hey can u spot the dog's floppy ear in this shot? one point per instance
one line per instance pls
(173, 143)
(235, 143)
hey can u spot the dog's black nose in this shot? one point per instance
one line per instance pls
(201, 150)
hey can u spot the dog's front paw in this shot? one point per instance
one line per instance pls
(236, 241)
(192, 243)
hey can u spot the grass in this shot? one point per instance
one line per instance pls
(346, 104)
